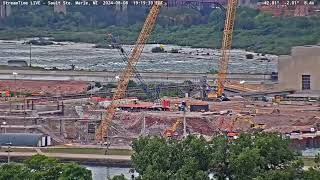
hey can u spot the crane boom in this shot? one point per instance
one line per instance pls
(102, 130)
(124, 55)
(226, 45)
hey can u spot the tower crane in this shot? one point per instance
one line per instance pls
(149, 23)
(226, 45)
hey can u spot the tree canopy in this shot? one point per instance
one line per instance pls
(253, 31)
(261, 156)
(40, 167)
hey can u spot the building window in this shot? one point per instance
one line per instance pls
(306, 82)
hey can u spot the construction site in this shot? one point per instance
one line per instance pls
(80, 112)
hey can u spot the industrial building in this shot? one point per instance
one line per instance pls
(25, 139)
(300, 70)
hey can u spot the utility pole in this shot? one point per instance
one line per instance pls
(9, 154)
(184, 109)
(184, 123)
(15, 82)
(144, 124)
(9, 149)
(30, 55)
(4, 126)
(24, 113)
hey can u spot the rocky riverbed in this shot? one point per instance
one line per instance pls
(85, 56)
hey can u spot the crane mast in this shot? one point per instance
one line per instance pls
(102, 130)
(226, 45)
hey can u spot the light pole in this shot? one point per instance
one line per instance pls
(30, 55)
(4, 123)
(9, 149)
(15, 81)
(242, 82)
(184, 109)
(184, 123)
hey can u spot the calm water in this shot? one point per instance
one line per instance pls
(84, 56)
(101, 173)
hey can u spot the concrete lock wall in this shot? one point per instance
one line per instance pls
(304, 60)
(43, 141)
(49, 142)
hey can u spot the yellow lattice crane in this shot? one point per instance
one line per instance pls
(102, 130)
(226, 45)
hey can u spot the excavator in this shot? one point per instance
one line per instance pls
(253, 125)
(228, 126)
(102, 130)
(172, 130)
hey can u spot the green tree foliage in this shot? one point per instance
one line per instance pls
(251, 156)
(313, 173)
(132, 84)
(254, 30)
(13, 171)
(40, 167)
(72, 171)
(119, 177)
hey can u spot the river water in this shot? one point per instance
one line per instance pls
(102, 172)
(84, 56)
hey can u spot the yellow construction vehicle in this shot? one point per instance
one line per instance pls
(102, 130)
(249, 119)
(277, 99)
(170, 131)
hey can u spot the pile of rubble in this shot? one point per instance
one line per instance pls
(44, 87)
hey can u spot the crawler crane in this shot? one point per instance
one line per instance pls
(102, 130)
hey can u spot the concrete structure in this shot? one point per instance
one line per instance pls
(300, 71)
(17, 63)
(25, 139)
(199, 108)
(109, 76)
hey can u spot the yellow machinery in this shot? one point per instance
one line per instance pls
(249, 119)
(102, 130)
(225, 48)
(169, 132)
(277, 99)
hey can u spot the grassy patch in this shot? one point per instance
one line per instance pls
(87, 151)
(308, 161)
(4, 149)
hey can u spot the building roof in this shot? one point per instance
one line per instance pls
(20, 139)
